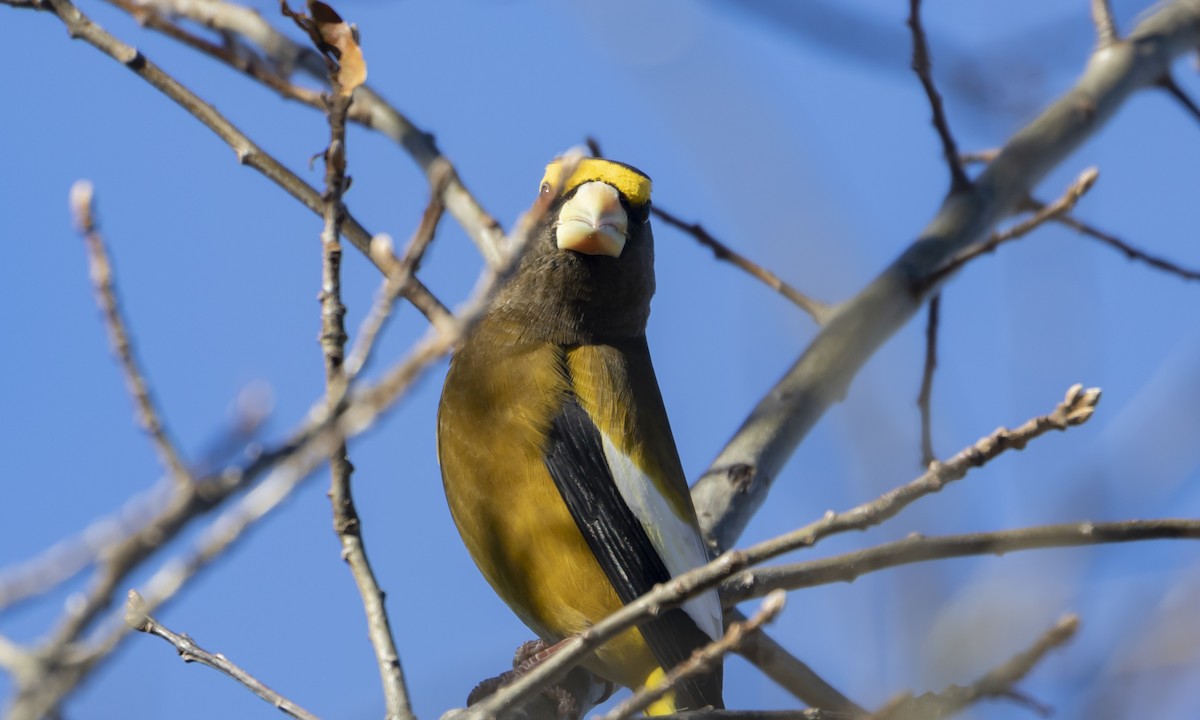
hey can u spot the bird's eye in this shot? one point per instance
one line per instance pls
(641, 214)
(545, 188)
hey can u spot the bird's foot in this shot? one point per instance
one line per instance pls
(566, 703)
(531, 653)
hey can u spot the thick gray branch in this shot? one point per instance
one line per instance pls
(736, 484)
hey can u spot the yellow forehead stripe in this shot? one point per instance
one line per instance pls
(633, 185)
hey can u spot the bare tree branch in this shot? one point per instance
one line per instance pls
(758, 648)
(737, 482)
(1076, 408)
(346, 520)
(1168, 83)
(997, 683)
(1106, 25)
(72, 555)
(1044, 214)
(848, 567)
(63, 661)
(926, 394)
(397, 274)
(100, 269)
(189, 651)
(346, 523)
(235, 54)
(1130, 251)
(702, 659)
(818, 311)
(922, 66)
(792, 674)
(189, 497)
(333, 330)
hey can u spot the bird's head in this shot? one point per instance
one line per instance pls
(588, 273)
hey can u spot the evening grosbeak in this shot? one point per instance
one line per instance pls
(557, 457)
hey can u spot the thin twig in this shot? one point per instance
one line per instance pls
(188, 498)
(121, 559)
(290, 466)
(790, 672)
(926, 393)
(1130, 251)
(189, 651)
(397, 274)
(149, 417)
(64, 665)
(346, 523)
(1076, 408)
(997, 683)
(817, 310)
(279, 471)
(922, 66)
(72, 555)
(702, 660)
(1058, 208)
(850, 566)
(1106, 24)
(1168, 83)
(231, 53)
(332, 338)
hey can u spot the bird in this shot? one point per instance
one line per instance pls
(558, 462)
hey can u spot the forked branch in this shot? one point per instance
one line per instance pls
(1076, 408)
(737, 482)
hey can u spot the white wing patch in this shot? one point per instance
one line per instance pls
(677, 542)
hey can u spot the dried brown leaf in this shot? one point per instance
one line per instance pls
(336, 40)
(337, 35)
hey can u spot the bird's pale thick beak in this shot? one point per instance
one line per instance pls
(593, 222)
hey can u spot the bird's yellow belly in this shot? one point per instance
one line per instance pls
(544, 569)
(513, 519)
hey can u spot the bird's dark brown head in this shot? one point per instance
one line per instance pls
(588, 273)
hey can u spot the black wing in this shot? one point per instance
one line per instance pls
(575, 459)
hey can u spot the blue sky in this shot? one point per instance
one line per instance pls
(806, 146)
